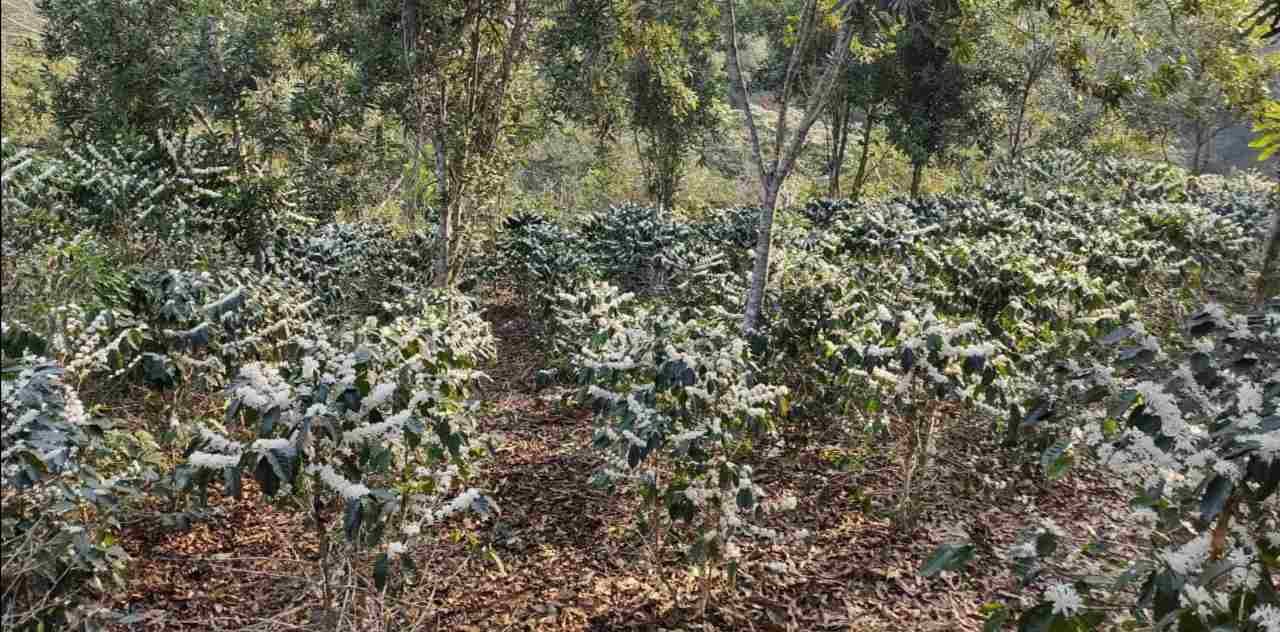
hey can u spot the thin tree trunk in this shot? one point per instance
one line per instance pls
(409, 194)
(408, 44)
(760, 266)
(444, 233)
(1199, 142)
(786, 148)
(841, 131)
(1022, 115)
(860, 178)
(917, 170)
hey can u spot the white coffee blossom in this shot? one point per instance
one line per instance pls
(1189, 557)
(1267, 617)
(395, 549)
(1066, 601)
(335, 481)
(269, 444)
(212, 461)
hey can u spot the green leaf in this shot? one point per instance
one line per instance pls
(679, 507)
(268, 422)
(282, 462)
(1117, 335)
(1189, 621)
(159, 371)
(352, 517)
(233, 406)
(1168, 587)
(946, 558)
(1056, 459)
(1037, 619)
(1041, 410)
(1046, 543)
(381, 566)
(381, 460)
(1266, 475)
(1135, 356)
(996, 620)
(266, 477)
(231, 481)
(1215, 497)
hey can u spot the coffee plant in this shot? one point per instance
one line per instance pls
(540, 260)
(674, 406)
(310, 362)
(170, 187)
(1194, 429)
(375, 420)
(639, 248)
(66, 478)
(353, 267)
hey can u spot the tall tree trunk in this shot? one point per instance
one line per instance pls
(1199, 143)
(786, 147)
(1022, 115)
(917, 170)
(1269, 279)
(408, 43)
(840, 135)
(760, 266)
(860, 178)
(444, 233)
(412, 184)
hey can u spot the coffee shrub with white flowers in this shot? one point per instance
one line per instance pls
(1192, 426)
(675, 405)
(180, 339)
(375, 421)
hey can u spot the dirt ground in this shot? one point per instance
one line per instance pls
(563, 556)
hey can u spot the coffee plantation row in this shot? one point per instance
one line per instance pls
(1093, 314)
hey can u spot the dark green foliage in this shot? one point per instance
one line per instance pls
(55, 451)
(947, 558)
(114, 45)
(354, 267)
(822, 212)
(649, 65)
(639, 248)
(540, 260)
(936, 99)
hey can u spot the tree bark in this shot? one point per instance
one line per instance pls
(1199, 142)
(444, 233)
(786, 152)
(861, 176)
(1022, 115)
(840, 139)
(411, 185)
(760, 266)
(408, 43)
(917, 170)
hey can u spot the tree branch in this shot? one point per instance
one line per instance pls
(813, 107)
(736, 81)
(808, 18)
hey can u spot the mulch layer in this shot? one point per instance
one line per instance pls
(561, 555)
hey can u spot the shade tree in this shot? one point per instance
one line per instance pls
(642, 67)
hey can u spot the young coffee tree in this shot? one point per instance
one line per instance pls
(370, 429)
(675, 407)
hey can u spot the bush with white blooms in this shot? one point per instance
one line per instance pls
(376, 419)
(1192, 426)
(675, 403)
